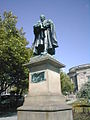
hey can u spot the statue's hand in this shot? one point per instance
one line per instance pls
(38, 25)
(46, 24)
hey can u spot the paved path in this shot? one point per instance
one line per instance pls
(9, 118)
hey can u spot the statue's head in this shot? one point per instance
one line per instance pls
(42, 18)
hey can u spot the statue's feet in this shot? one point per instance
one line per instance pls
(43, 53)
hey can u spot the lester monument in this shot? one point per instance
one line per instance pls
(45, 100)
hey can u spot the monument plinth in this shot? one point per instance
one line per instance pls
(44, 75)
(44, 100)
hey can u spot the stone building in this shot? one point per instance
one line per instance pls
(79, 75)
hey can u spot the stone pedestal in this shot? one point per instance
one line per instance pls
(45, 100)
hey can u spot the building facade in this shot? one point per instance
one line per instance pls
(79, 75)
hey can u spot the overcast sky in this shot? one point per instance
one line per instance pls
(72, 23)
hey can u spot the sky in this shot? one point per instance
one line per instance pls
(72, 24)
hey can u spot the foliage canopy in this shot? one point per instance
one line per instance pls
(13, 54)
(84, 91)
(66, 85)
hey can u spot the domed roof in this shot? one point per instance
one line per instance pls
(79, 67)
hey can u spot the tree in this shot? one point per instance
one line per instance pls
(84, 91)
(66, 85)
(13, 54)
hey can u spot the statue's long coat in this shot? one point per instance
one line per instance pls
(49, 33)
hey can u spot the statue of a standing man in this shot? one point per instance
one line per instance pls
(45, 37)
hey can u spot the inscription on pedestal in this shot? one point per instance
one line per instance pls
(38, 77)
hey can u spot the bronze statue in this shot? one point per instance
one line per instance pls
(45, 37)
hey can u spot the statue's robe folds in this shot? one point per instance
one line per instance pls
(45, 35)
